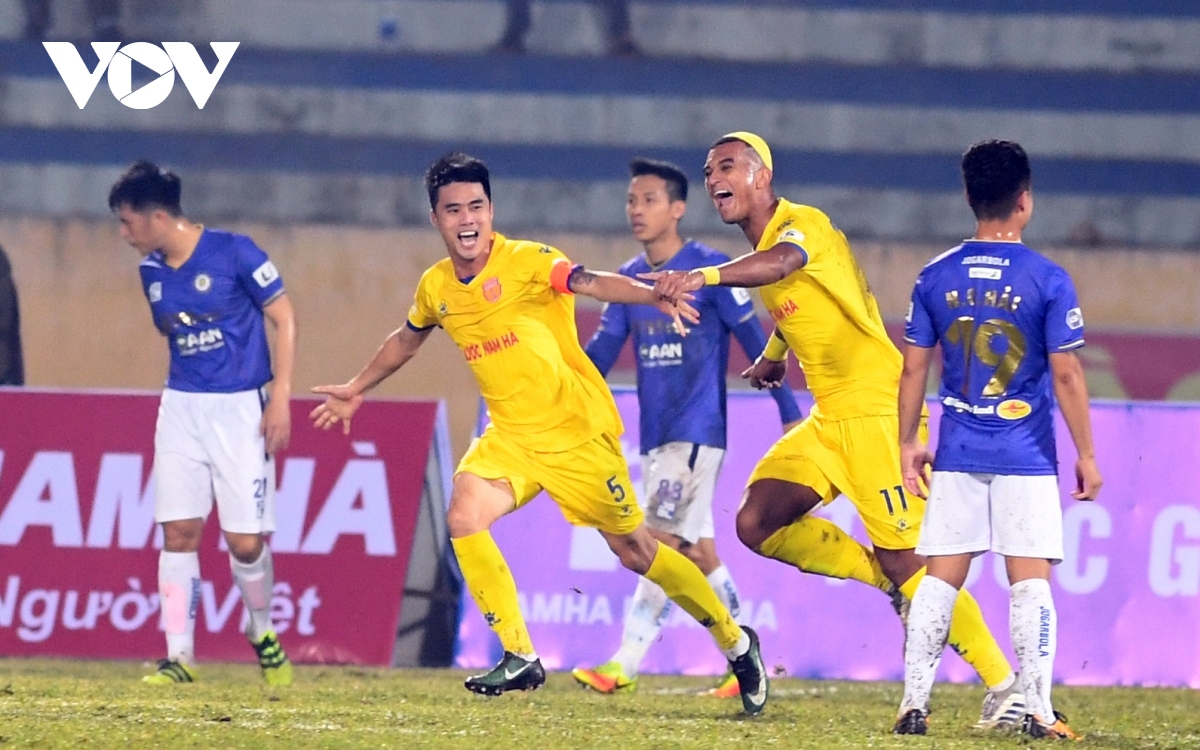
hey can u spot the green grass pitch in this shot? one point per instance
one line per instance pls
(86, 704)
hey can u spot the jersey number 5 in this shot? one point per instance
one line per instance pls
(978, 341)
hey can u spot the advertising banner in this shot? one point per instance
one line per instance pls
(1127, 594)
(79, 547)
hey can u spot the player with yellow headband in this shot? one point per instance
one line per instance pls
(825, 314)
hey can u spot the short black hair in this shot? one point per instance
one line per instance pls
(676, 179)
(145, 185)
(995, 173)
(456, 167)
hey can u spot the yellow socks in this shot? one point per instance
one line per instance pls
(816, 545)
(688, 588)
(495, 592)
(969, 635)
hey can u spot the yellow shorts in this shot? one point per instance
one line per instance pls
(590, 482)
(859, 458)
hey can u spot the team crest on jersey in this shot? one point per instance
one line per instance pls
(203, 282)
(491, 289)
(442, 309)
(1013, 409)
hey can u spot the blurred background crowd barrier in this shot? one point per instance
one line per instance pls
(315, 138)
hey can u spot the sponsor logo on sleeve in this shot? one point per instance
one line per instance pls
(792, 235)
(740, 295)
(1013, 409)
(908, 315)
(1075, 319)
(154, 292)
(265, 274)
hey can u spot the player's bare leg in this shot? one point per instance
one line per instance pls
(253, 571)
(179, 592)
(775, 520)
(686, 586)
(475, 504)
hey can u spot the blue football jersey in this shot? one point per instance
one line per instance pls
(999, 310)
(681, 379)
(210, 310)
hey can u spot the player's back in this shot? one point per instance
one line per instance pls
(830, 319)
(999, 309)
(518, 335)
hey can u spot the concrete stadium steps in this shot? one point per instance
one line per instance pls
(234, 194)
(640, 120)
(866, 104)
(1028, 34)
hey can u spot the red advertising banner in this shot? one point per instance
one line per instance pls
(79, 547)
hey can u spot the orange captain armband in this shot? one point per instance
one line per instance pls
(560, 274)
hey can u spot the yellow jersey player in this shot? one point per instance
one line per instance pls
(508, 305)
(825, 314)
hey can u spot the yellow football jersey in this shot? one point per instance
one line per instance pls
(830, 319)
(518, 334)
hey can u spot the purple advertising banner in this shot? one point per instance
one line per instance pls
(1127, 594)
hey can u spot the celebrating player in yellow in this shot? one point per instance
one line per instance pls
(825, 313)
(509, 306)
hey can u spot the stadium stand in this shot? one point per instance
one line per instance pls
(867, 103)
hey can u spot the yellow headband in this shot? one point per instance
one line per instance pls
(755, 142)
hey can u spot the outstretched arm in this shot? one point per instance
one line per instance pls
(1070, 389)
(915, 457)
(613, 287)
(343, 400)
(751, 270)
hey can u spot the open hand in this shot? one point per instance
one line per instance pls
(276, 425)
(674, 286)
(679, 312)
(766, 373)
(916, 466)
(340, 404)
(1087, 479)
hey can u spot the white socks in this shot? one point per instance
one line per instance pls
(649, 613)
(722, 583)
(256, 581)
(928, 627)
(179, 592)
(1034, 631)
(645, 620)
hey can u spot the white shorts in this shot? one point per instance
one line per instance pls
(1014, 516)
(680, 480)
(210, 444)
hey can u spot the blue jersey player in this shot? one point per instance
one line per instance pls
(681, 397)
(217, 432)
(1009, 323)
